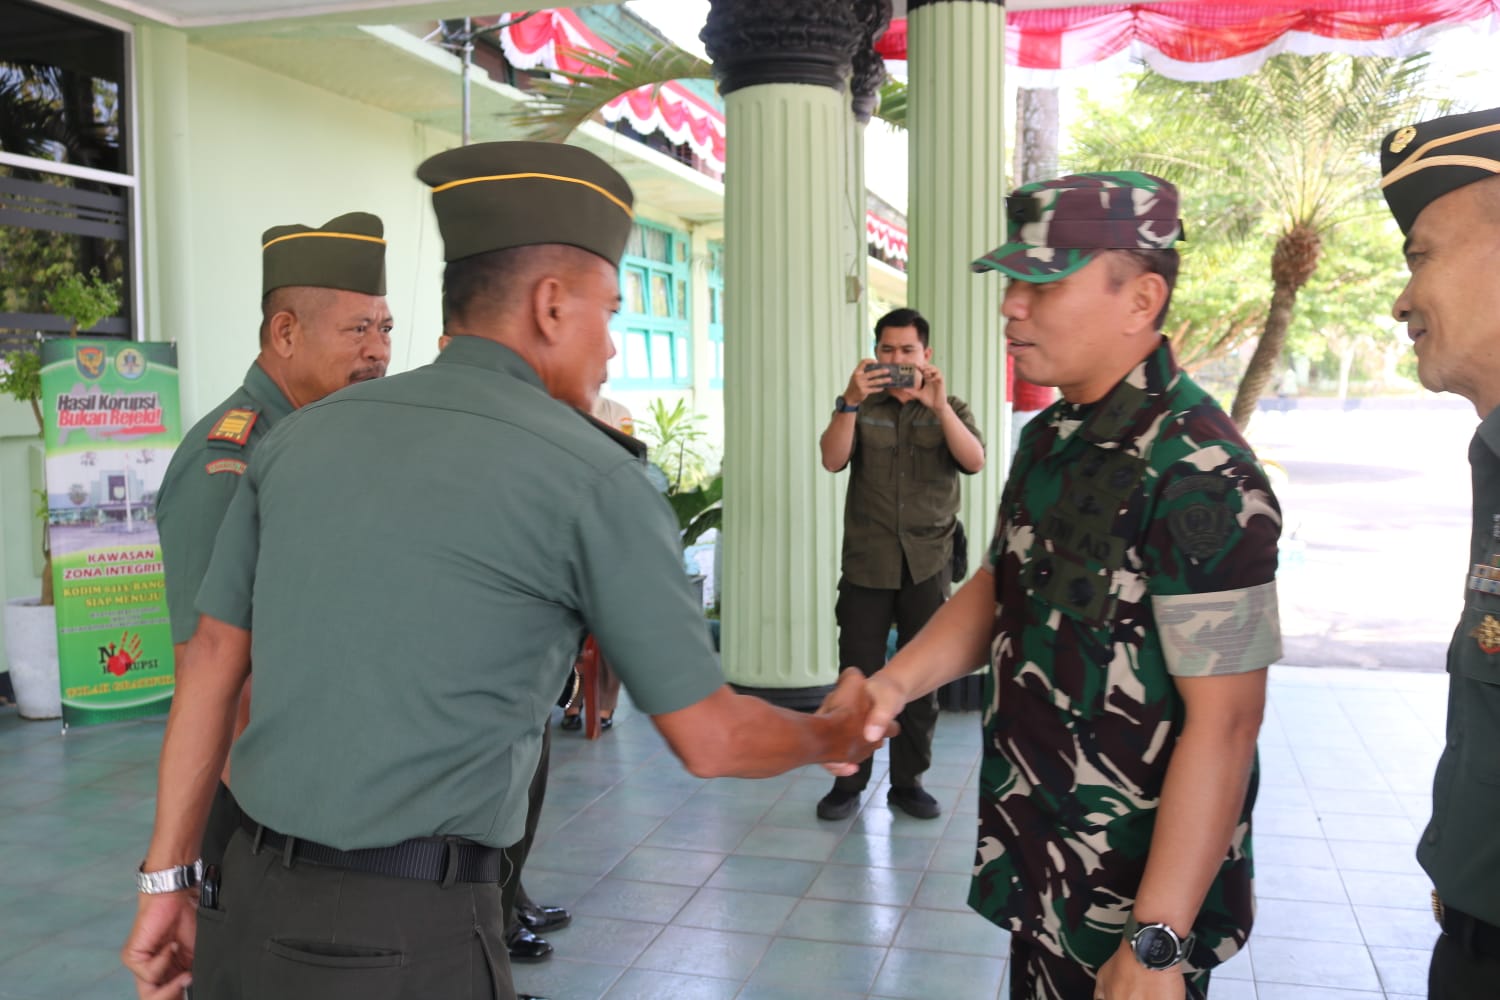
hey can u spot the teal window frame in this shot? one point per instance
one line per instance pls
(716, 312)
(653, 331)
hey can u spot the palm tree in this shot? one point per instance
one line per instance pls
(559, 107)
(1288, 154)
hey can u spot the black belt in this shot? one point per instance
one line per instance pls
(431, 859)
(1474, 934)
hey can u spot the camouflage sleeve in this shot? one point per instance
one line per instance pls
(1210, 561)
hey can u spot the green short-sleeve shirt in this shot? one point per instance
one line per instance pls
(200, 481)
(419, 559)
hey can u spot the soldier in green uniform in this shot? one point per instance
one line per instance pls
(324, 325)
(1128, 610)
(1440, 180)
(415, 562)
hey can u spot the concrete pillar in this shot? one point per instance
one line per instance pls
(956, 115)
(782, 70)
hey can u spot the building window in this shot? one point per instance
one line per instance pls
(67, 192)
(716, 312)
(653, 338)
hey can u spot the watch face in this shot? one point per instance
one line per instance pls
(1156, 948)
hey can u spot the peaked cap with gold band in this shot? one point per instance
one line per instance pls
(499, 195)
(1420, 163)
(347, 253)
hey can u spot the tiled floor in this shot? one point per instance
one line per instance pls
(683, 888)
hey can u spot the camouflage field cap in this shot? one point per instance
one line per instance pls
(347, 253)
(1055, 227)
(499, 195)
(1420, 163)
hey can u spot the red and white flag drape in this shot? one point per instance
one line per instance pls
(1216, 41)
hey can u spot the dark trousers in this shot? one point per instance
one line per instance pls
(1037, 974)
(1459, 971)
(864, 615)
(302, 932)
(223, 819)
(514, 893)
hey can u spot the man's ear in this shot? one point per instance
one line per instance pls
(549, 301)
(1148, 293)
(281, 331)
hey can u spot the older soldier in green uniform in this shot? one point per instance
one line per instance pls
(414, 563)
(1128, 607)
(324, 325)
(1440, 180)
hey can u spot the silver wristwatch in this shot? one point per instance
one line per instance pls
(173, 879)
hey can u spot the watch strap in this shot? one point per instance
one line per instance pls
(173, 879)
(842, 407)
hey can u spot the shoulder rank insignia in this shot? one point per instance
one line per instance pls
(234, 427)
(234, 465)
(1487, 634)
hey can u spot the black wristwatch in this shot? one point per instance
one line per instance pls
(840, 406)
(1156, 946)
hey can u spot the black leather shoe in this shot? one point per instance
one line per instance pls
(539, 919)
(571, 722)
(838, 804)
(525, 946)
(915, 802)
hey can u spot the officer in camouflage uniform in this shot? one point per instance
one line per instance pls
(1128, 607)
(1440, 182)
(324, 325)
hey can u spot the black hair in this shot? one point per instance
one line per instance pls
(903, 317)
(1162, 262)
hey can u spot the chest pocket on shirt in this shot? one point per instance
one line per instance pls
(1080, 545)
(877, 448)
(930, 459)
(1085, 537)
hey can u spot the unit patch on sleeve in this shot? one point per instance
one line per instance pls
(234, 465)
(234, 427)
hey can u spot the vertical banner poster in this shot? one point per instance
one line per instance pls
(112, 421)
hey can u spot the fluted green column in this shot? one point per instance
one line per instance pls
(166, 193)
(956, 116)
(781, 69)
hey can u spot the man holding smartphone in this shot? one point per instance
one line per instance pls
(905, 441)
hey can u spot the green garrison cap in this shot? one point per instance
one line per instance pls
(499, 195)
(1420, 163)
(1055, 227)
(346, 253)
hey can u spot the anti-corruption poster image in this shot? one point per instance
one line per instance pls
(112, 422)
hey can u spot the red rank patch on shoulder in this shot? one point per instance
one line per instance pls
(234, 426)
(234, 465)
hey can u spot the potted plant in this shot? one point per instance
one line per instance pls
(31, 622)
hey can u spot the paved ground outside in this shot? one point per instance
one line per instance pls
(685, 888)
(1377, 526)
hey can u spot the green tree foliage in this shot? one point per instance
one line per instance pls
(1344, 316)
(1278, 162)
